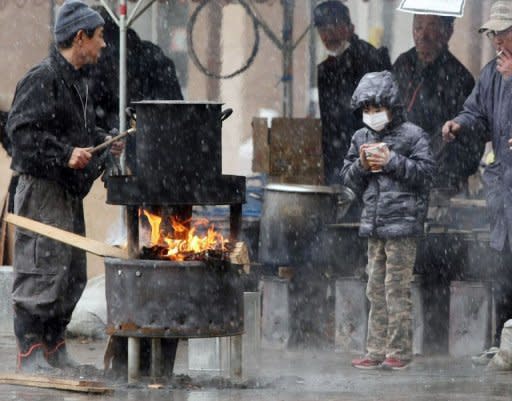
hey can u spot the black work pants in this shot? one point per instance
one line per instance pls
(49, 276)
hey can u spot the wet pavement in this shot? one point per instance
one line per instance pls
(286, 376)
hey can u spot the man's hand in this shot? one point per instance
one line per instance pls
(117, 147)
(80, 157)
(450, 130)
(504, 63)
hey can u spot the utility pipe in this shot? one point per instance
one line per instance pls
(123, 9)
(288, 9)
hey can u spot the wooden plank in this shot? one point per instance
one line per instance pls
(78, 241)
(296, 147)
(82, 386)
(240, 256)
(261, 149)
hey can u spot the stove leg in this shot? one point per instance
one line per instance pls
(117, 355)
(169, 347)
(156, 357)
(133, 359)
(235, 221)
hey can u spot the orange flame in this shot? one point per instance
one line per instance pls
(185, 240)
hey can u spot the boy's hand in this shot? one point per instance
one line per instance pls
(362, 156)
(378, 159)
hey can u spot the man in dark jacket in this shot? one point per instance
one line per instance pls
(434, 85)
(349, 59)
(151, 75)
(488, 109)
(393, 178)
(52, 127)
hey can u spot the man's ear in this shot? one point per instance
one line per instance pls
(79, 36)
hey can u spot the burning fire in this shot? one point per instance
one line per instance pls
(184, 240)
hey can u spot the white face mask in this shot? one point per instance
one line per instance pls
(340, 50)
(376, 121)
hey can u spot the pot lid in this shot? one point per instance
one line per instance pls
(300, 188)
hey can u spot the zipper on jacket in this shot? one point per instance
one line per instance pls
(374, 231)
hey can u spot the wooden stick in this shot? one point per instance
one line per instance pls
(81, 386)
(78, 241)
(112, 140)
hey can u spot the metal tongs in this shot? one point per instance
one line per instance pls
(112, 140)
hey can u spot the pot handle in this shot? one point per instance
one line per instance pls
(225, 114)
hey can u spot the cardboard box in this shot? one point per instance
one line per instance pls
(290, 151)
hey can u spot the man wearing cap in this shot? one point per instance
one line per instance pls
(52, 127)
(488, 109)
(349, 59)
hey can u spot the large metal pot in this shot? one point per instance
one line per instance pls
(292, 219)
(178, 142)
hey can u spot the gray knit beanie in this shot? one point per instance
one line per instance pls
(73, 16)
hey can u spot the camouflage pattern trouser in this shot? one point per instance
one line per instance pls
(390, 267)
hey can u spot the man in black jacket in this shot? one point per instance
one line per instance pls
(349, 59)
(434, 85)
(151, 75)
(52, 127)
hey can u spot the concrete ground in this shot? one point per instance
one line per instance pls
(286, 376)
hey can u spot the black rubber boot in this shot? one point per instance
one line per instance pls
(58, 357)
(33, 361)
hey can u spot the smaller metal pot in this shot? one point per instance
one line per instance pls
(292, 219)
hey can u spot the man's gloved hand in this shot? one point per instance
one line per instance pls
(117, 147)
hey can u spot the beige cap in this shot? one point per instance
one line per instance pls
(501, 17)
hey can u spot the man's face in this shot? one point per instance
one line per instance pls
(430, 36)
(334, 36)
(91, 47)
(502, 40)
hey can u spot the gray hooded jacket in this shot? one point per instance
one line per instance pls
(487, 109)
(395, 199)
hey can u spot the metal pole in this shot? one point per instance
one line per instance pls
(122, 73)
(288, 9)
(133, 359)
(154, 23)
(312, 63)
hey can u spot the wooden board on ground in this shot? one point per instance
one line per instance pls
(82, 386)
(78, 241)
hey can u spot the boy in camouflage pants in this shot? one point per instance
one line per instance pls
(390, 164)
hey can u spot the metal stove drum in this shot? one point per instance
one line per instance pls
(175, 162)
